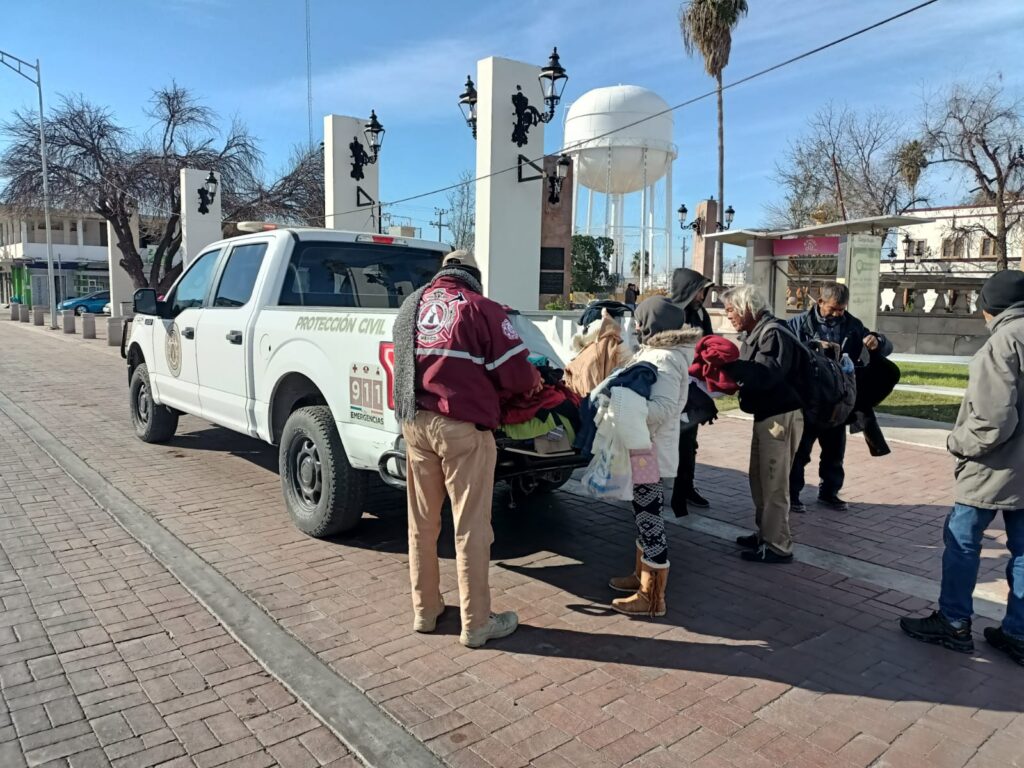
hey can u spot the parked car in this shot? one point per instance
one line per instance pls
(106, 309)
(93, 303)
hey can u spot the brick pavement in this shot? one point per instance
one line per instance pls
(106, 661)
(793, 666)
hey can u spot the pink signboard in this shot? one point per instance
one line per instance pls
(806, 246)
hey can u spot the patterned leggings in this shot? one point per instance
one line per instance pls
(647, 504)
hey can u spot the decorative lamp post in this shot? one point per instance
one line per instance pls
(373, 132)
(556, 180)
(730, 214)
(207, 194)
(681, 212)
(467, 103)
(552, 82)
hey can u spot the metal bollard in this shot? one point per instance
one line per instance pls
(24, 313)
(68, 320)
(88, 326)
(38, 315)
(14, 311)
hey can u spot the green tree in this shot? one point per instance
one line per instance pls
(706, 26)
(591, 257)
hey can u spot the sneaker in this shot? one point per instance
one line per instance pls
(694, 499)
(765, 555)
(832, 501)
(937, 630)
(797, 507)
(499, 625)
(425, 624)
(1008, 644)
(750, 541)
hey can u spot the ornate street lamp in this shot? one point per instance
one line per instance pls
(681, 212)
(552, 82)
(373, 132)
(207, 194)
(555, 180)
(467, 103)
(730, 214)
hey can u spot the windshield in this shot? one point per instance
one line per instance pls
(356, 275)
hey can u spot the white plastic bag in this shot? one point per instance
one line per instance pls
(609, 475)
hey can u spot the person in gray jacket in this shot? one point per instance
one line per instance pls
(988, 444)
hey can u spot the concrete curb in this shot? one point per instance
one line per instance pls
(376, 739)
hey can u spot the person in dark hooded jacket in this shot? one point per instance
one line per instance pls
(689, 290)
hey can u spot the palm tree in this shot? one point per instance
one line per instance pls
(706, 26)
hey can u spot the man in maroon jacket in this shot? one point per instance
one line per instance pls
(457, 356)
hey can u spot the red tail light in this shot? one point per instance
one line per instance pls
(387, 361)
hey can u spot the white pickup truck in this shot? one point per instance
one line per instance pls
(285, 335)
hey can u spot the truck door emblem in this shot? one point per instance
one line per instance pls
(172, 350)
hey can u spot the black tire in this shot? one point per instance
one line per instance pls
(324, 495)
(153, 423)
(79, 311)
(552, 481)
(525, 486)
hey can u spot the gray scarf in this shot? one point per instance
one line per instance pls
(404, 335)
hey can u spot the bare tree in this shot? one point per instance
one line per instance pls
(847, 165)
(96, 164)
(981, 131)
(462, 207)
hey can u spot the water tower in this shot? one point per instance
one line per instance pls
(620, 138)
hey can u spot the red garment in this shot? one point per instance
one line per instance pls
(711, 353)
(521, 408)
(469, 357)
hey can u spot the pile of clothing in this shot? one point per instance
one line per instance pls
(711, 354)
(547, 421)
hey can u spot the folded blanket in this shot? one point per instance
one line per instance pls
(711, 354)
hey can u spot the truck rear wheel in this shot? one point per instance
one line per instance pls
(153, 423)
(323, 493)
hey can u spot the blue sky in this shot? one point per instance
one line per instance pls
(408, 60)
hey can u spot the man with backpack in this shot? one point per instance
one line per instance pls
(828, 322)
(769, 371)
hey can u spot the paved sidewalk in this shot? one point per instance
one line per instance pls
(753, 666)
(106, 660)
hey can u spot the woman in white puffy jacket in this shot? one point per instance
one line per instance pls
(669, 346)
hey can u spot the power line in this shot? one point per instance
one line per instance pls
(688, 102)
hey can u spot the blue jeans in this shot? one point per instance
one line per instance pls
(963, 533)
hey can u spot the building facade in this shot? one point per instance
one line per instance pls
(950, 243)
(79, 256)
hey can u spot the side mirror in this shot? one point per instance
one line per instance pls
(144, 302)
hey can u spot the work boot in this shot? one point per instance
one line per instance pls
(763, 554)
(1008, 644)
(694, 499)
(498, 626)
(427, 624)
(832, 501)
(750, 541)
(629, 583)
(937, 630)
(649, 599)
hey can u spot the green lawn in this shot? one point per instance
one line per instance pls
(922, 406)
(933, 374)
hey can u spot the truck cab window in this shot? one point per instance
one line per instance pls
(355, 275)
(192, 289)
(239, 276)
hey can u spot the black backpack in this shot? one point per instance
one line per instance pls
(828, 393)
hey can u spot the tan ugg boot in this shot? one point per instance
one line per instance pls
(649, 599)
(629, 583)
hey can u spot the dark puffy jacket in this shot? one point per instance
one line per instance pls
(770, 361)
(848, 332)
(469, 357)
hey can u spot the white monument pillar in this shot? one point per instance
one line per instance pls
(198, 229)
(350, 203)
(508, 212)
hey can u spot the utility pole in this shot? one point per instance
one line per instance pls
(439, 213)
(18, 65)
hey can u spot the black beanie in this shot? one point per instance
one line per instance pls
(1002, 291)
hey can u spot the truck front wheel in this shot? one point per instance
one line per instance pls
(153, 423)
(323, 493)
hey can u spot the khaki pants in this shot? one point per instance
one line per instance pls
(772, 448)
(453, 458)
